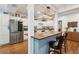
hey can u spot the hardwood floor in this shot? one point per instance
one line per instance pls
(19, 48)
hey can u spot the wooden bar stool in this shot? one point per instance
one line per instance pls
(56, 49)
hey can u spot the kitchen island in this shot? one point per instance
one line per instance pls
(41, 40)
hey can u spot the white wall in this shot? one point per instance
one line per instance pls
(69, 18)
(4, 31)
(3, 7)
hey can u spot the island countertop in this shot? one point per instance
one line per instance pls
(42, 35)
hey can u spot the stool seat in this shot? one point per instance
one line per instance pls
(51, 44)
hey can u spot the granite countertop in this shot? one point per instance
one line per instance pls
(42, 35)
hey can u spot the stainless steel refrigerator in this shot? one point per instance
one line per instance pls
(16, 31)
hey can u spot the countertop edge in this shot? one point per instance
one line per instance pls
(45, 37)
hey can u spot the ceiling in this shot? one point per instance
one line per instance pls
(14, 8)
(21, 8)
(40, 10)
(62, 9)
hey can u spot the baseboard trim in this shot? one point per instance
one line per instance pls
(4, 44)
